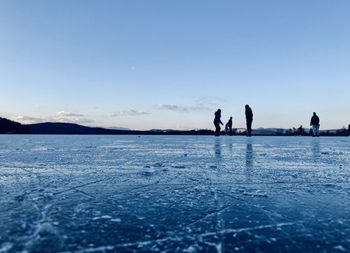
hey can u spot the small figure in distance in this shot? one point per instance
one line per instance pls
(249, 119)
(301, 130)
(217, 122)
(228, 127)
(315, 123)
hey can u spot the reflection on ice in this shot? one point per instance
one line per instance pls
(218, 147)
(249, 155)
(315, 148)
(174, 193)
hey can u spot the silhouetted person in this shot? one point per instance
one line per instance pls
(349, 130)
(295, 132)
(217, 122)
(315, 123)
(228, 127)
(249, 119)
(301, 130)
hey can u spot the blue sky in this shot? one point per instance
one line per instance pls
(171, 64)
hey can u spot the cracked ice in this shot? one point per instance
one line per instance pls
(174, 193)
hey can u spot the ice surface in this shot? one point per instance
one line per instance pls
(174, 194)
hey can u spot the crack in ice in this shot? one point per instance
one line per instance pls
(239, 230)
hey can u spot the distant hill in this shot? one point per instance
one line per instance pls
(71, 128)
(12, 127)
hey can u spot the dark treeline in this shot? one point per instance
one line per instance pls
(11, 127)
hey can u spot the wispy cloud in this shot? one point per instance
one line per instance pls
(129, 112)
(171, 107)
(26, 119)
(69, 114)
(195, 107)
(61, 116)
(210, 101)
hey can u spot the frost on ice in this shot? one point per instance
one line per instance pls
(174, 193)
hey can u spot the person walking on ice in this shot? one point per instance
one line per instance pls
(315, 123)
(300, 130)
(249, 119)
(228, 127)
(217, 122)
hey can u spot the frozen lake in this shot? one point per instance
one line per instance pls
(174, 193)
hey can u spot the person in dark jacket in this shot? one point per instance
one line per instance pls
(301, 130)
(249, 119)
(228, 127)
(217, 122)
(315, 123)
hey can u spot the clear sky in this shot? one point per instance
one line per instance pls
(146, 64)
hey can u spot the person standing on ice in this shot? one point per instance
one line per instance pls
(228, 127)
(217, 122)
(301, 130)
(249, 119)
(315, 123)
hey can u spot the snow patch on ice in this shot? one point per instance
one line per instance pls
(340, 247)
(6, 247)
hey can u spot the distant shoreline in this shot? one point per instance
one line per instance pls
(57, 128)
(175, 134)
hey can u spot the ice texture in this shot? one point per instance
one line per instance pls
(174, 194)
